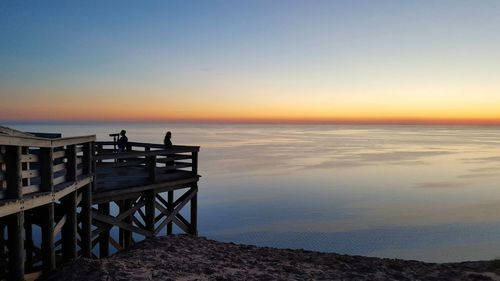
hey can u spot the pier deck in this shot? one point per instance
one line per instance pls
(62, 197)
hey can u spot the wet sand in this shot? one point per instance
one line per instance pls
(186, 258)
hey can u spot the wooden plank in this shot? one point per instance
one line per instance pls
(32, 276)
(185, 225)
(13, 132)
(30, 174)
(138, 222)
(72, 140)
(59, 154)
(59, 226)
(121, 164)
(31, 189)
(29, 158)
(115, 244)
(60, 180)
(59, 167)
(24, 141)
(102, 196)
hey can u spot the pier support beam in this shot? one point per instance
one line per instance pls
(150, 210)
(170, 208)
(86, 219)
(69, 229)
(48, 249)
(104, 236)
(194, 212)
(16, 246)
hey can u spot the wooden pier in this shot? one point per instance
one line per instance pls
(61, 198)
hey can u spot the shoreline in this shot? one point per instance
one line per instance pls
(184, 257)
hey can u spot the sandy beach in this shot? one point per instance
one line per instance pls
(186, 258)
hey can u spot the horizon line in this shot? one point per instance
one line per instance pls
(336, 121)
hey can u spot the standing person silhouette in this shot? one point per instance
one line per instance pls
(122, 141)
(167, 140)
(168, 144)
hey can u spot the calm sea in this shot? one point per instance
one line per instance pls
(430, 193)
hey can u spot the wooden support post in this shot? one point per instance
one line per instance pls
(120, 230)
(86, 217)
(3, 257)
(194, 211)
(47, 211)
(15, 221)
(170, 208)
(28, 244)
(48, 246)
(104, 236)
(68, 234)
(16, 246)
(150, 210)
(126, 234)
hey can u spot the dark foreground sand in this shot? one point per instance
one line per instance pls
(190, 258)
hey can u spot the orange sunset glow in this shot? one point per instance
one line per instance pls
(328, 64)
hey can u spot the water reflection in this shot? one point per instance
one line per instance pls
(420, 192)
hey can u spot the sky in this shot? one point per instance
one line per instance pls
(251, 61)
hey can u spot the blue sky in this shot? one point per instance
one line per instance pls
(253, 53)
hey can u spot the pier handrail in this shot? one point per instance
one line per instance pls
(135, 153)
(43, 142)
(31, 165)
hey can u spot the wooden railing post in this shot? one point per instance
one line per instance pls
(47, 211)
(151, 165)
(15, 221)
(195, 162)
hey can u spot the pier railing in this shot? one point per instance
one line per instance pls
(152, 163)
(31, 169)
(42, 183)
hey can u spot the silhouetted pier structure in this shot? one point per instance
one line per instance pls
(71, 193)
